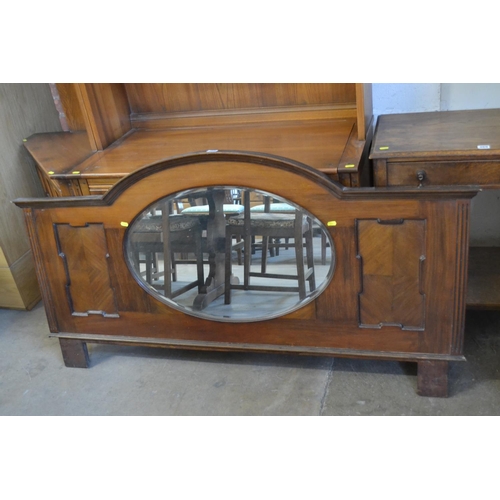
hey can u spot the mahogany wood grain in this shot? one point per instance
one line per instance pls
(106, 109)
(84, 253)
(178, 97)
(318, 144)
(231, 117)
(444, 134)
(75, 353)
(432, 378)
(364, 108)
(391, 254)
(453, 148)
(71, 107)
(441, 173)
(57, 152)
(323, 125)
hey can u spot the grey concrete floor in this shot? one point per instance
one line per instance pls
(125, 380)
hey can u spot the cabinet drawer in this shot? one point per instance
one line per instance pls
(486, 173)
(100, 185)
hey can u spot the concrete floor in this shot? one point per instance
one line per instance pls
(147, 381)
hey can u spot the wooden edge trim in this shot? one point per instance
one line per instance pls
(360, 110)
(437, 156)
(41, 273)
(230, 346)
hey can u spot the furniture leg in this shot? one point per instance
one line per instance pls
(74, 353)
(432, 379)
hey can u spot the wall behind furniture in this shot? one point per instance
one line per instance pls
(25, 108)
(389, 98)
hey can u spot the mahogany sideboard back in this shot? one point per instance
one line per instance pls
(396, 286)
(114, 129)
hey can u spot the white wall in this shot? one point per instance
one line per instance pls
(389, 98)
(470, 96)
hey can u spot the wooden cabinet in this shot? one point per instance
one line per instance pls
(451, 148)
(114, 129)
(438, 149)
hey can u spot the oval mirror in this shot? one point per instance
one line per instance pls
(230, 253)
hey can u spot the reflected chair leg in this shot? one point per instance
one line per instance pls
(239, 252)
(323, 248)
(199, 261)
(299, 256)
(265, 248)
(276, 247)
(149, 265)
(74, 353)
(227, 271)
(432, 379)
(174, 266)
(310, 258)
(247, 260)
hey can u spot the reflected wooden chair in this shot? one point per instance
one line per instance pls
(294, 226)
(165, 234)
(274, 245)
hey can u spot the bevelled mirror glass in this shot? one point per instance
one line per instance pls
(230, 253)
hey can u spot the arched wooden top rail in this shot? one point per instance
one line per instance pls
(267, 160)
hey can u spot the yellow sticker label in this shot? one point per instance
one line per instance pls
(331, 223)
(351, 165)
(76, 172)
(124, 224)
(51, 172)
(25, 140)
(383, 148)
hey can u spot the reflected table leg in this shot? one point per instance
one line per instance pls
(216, 247)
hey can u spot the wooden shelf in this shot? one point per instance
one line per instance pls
(483, 290)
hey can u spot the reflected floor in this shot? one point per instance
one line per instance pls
(248, 304)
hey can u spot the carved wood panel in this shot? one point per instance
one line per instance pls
(84, 253)
(392, 256)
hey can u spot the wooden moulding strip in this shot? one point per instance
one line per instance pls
(229, 346)
(243, 116)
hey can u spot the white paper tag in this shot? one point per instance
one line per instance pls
(483, 146)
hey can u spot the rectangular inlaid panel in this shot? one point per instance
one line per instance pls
(85, 255)
(392, 255)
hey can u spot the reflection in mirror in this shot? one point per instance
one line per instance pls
(230, 253)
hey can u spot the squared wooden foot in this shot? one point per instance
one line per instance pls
(432, 379)
(75, 353)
